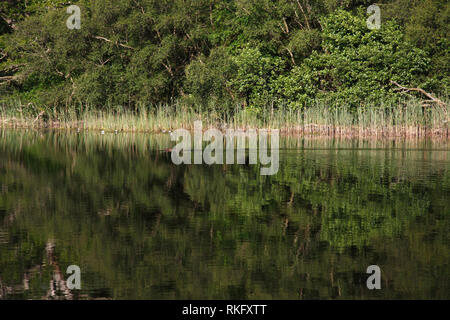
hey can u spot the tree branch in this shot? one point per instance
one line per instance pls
(117, 43)
(404, 89)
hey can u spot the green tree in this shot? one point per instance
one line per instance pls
(356, 65)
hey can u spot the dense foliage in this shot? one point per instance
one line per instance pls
(220, 54)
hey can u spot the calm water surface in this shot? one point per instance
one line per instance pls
(140, 227)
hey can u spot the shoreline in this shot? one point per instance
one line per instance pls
(311, 129)
(408, 119)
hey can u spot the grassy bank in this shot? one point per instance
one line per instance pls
(406, 119)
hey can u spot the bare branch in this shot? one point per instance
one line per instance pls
(404, 89)
(304, 15)
(117, 43)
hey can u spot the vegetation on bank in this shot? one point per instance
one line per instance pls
(226, 60)
(406, 119)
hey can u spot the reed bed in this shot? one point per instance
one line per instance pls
(406, 119)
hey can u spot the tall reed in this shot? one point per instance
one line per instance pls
(409, 118)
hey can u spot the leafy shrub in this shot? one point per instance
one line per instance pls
(356, 65)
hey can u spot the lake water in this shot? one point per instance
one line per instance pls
(140, 227)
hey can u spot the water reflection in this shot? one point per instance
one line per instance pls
(141, 228)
